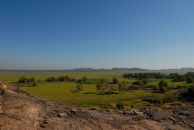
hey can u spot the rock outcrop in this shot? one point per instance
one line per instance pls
(20, 111)
(3, 88)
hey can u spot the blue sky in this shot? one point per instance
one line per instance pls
(65, 34)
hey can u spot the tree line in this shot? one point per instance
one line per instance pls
(175, 77)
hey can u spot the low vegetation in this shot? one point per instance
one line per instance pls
(175, 77)
(188, 94)
(105, 89)
(29, 81)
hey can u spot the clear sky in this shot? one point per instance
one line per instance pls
(65, 34)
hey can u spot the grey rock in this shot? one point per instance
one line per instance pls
(180, 112)
(135, 112)
(1, 110)
(62, 115)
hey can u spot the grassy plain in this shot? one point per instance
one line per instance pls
(9, 77)
(63, 92)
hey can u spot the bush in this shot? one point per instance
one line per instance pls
(79, 87)
(168, 98)
(32, 84)
(188, 94)
(176, 77)
(51, 79)
(101, 87)
(61, 78)
(163, 86)
(153, 100)
(115, 80)
(30, 81)
(22, 80)
(120, 105)
(144, 75)
(188, 77)
(25, 80)
(122, 86)
(83, 80)
(140, 83)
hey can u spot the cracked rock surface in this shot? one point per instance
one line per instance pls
(20, 111)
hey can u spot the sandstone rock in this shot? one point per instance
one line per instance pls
(180, 112)
(1, 110)
(44, 124)
(119, 112)
(62, 115)
(3, 88)
(135, 112)
(23, 112)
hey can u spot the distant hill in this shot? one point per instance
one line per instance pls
(87, 69)
(113, 69)
(187, 69)
(128, 69)
(184, 69)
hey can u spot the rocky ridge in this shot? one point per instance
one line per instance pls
(20, 111)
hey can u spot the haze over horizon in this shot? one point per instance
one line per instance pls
(96, 34)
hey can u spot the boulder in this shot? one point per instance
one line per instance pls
(1, 110)
(135, 112)
(3, 88)
(62, 115)
(181, 112)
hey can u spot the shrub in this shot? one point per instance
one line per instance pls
(120, 105)
(22, 80)
(51, 79)
(25, 80)
(144, 75)
(140, 83)
(188, 94)
(32, 84)
(122, 86)
(170, 99)
(153, 100)
(79, 87)
(61, 78)
(115, 80)
(100, 87)
(30, 81)
(189, 79)
(163, 86)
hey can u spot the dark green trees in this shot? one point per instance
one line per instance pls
(30, 81)
(79, 87)
(163, 86)
(115, 81)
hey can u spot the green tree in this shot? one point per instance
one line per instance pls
(100, 87)
(79, 87)
(84, 79)
(51, 79)
(163, 86)
(115, 80)
(22, 80)
(189, 79)
(61, 79)
(25, 80)
(188, 94)
(122, 86)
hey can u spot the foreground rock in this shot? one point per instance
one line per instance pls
(3, 88)
(19, 111)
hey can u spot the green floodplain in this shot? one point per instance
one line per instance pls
(88, 96)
